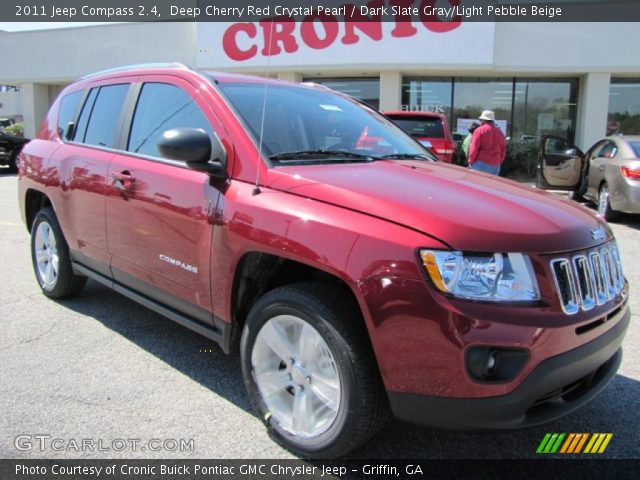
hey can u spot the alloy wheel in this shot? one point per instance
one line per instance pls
(296, 375)
(46, 255)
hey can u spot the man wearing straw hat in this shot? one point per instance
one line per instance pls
(488, 145)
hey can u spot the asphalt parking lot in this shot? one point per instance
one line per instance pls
(101, 367)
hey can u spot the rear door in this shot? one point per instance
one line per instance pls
(559, 164)
(601, 158)
(83, 163)
(159, 223)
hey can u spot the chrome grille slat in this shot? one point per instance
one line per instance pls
(596, 268)
(606, 269)
(588, 279)
(585, 282)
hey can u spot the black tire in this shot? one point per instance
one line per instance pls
(363, 407)
(604, 204)
(12, 163)
(65, 283)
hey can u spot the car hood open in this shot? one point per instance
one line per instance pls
(467, 210)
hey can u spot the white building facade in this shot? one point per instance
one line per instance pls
(575, 80)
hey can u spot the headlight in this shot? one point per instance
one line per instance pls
(498, 277)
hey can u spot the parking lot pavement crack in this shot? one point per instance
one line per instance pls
(22, 299)
(75, 399)
(34, 339)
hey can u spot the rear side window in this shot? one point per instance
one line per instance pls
(161, 107)
(103, 122)
(68, 106)
(608, 150)
(419, 126)
(635, 146)
(83, 120)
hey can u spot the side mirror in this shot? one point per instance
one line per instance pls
(196, 148)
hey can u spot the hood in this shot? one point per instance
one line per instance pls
(467, 210)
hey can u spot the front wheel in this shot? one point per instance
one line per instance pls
(310, 371)
(50, 256)
(604, 204)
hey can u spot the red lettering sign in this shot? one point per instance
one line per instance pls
(320, 31)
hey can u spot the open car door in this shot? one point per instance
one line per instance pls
(559, 164)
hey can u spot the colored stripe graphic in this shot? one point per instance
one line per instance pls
(567, 443)
(543, 443)
(596, 443)
(581, 443)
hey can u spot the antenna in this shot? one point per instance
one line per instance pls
(256, 189)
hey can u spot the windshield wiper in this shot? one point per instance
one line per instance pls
(301, 154)
(408, 156)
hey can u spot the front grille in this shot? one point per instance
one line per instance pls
(588, 279)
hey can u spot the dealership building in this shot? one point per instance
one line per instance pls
(575, 80)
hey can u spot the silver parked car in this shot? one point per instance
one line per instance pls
(607, 175)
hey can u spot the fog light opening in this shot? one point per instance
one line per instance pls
(495, 364)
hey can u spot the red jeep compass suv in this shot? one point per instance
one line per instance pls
(354, 282)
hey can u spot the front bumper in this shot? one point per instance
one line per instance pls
(557, 386)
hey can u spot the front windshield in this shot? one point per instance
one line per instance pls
(303, 123)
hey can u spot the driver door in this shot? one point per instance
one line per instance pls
(559, 164)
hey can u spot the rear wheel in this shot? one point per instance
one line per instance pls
(310, 371)
(604, 204)
(50, 256)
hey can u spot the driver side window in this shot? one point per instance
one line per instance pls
(555, 146)
(161, 107)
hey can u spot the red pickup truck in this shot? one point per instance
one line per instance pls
(355, 280)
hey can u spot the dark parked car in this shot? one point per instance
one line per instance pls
(10, 147)
(607, 175)
(355, 278)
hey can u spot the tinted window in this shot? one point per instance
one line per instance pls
(103, 123)
(83, 120)
(162, 107)
(68, 106)
(624, 107)
(365, 89)
(635, 146)
(419, 126)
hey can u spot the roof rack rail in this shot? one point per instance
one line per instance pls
(138, 65)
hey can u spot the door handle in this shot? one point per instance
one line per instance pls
(123, 180)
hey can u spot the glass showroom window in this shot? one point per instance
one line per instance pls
(473, 95)
(365, 89)
(433, 94)
(624, 106)
(544, 106)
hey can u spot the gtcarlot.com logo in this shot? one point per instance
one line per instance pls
(574, 443)
(43, 442)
